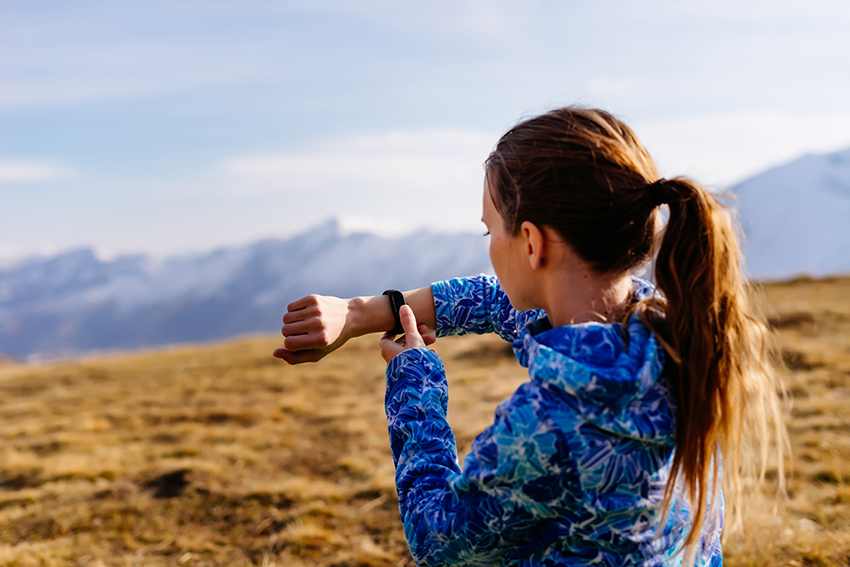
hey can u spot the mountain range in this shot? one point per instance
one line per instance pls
(795, 217)
(76, 302)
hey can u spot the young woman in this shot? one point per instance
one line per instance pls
(611, 453)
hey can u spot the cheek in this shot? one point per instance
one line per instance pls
(494, 251)
(500, 260)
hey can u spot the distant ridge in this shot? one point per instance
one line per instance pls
(75, 302)
(796, 218)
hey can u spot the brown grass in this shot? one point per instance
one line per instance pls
(812, 526)
(222, 455)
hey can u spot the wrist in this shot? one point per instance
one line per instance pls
(368, 315)
(354, 318)
(396, 303)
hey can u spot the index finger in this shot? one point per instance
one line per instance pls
(298, 304)
(299, 309)
(408, 323)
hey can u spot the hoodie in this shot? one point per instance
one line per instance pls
(573, 469)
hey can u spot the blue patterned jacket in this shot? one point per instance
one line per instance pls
(573, 468)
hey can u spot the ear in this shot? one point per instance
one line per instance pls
(535, 244)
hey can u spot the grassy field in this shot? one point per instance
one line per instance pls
(222, 455)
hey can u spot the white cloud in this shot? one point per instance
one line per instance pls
(479, 20)
(427, 160)
(723, 149)
(614, 86)
(11, 254)
(394, 182)
(25, 171)
(120, 70)
(769, 11)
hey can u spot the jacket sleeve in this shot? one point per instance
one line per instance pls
(501, 503)
(477, 305)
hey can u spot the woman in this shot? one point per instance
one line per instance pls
(611, 454)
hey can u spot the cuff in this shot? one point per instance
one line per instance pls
(444, 326)
(415, 363)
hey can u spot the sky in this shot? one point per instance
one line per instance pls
(165, 127)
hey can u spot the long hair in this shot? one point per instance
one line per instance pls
(585, 174)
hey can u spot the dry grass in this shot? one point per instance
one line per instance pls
(217, 455)
(222, 455)
(812, 526)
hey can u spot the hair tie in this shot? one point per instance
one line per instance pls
(656, 192)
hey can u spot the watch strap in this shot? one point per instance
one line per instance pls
(396, 301)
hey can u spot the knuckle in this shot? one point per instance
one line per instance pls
(322, 336)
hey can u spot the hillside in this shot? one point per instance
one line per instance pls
(794, 216)
(223, 455)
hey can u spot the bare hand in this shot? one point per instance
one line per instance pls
(314, 326)
(412, 338)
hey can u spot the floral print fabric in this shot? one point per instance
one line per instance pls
(573, 469)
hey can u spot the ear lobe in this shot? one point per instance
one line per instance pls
(535, 244)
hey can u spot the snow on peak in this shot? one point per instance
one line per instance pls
(796, 218)
(78, 301)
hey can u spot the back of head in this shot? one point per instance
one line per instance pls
(584, 173)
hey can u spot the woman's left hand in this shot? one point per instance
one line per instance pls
(412, 337)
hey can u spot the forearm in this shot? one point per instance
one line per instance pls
(477, 305)
(477, 516)
(373, 314)
(315, 325)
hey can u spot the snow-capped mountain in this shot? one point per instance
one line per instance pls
(796, 218)
(76, 302)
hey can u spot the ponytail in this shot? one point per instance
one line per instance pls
(584, 173)
(720, 372)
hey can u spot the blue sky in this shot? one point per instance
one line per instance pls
(165, 127)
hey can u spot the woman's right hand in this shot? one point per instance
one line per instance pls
(313, 327)
(412, 337)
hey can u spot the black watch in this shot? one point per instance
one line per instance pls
(396, 301)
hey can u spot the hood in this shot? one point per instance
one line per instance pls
(616, 385)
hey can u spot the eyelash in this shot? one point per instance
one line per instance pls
(486, 233)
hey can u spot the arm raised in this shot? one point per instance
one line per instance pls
(316, 325)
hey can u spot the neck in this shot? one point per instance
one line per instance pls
(577, 295)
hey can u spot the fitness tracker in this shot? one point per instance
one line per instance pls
(396, 301)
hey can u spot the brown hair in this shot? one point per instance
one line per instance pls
(584, 173)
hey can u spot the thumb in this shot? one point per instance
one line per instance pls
(408, 322)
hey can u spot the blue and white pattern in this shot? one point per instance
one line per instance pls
(573, 469)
